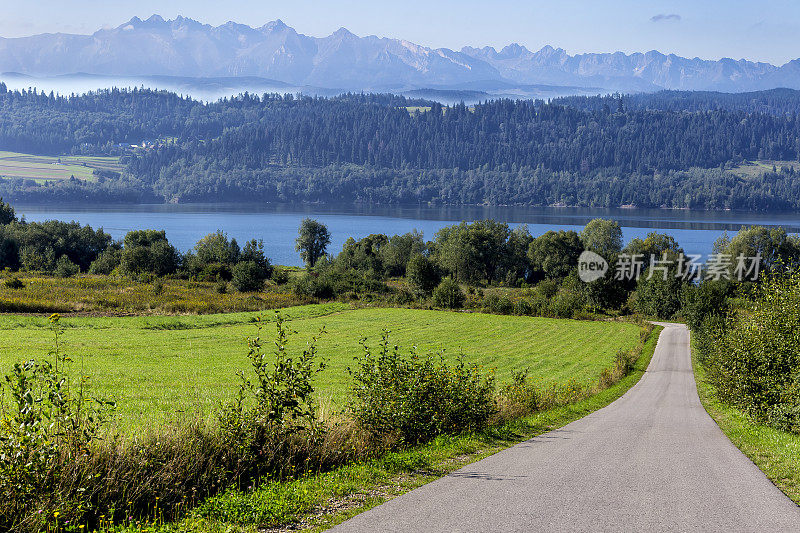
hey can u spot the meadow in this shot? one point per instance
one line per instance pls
(756, 169)
(112, 295)
(44, 168)
(163, 369)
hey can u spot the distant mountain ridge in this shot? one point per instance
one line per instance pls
(344, 61)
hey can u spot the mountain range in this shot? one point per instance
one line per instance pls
(277, 55)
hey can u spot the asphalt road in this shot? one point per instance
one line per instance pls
(651, 461)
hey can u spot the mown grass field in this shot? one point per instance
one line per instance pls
(160, 369)
(44, 168)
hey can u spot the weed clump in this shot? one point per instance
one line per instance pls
(48, 423)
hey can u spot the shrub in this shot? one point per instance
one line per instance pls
(106, 262)
(313, 286)
(247, 276)
(278, 401)
(414, 398)
(522, 307)
(755, 360)
(48, 423)
(215, 272)
(547, 288)
(66, 268)
(448, 294)
(566, 304)
(36, 259)
(14, 283)
(280, 275)
(504, 306)
(158, 286)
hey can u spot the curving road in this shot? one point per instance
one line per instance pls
(651, 461)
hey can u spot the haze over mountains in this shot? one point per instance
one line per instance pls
(187, 53)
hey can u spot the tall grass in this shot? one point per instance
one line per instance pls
(117, 295)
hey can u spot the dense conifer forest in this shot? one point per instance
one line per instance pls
(670, 149)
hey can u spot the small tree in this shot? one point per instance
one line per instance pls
(276, 398)
(448, 294)
(148, 251)
(7, 214)
(422, 275)
(312, 241)
(66, 268)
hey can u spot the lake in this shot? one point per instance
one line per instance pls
(277, 225)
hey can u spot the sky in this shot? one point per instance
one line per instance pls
(760, 31)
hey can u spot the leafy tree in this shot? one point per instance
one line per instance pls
(703, 301)
(555, 254)
(312, 241)
(216, 248)
(365, 255)
(488, 240)
(253, 251)
(107, 261)
(148, 252)
(451, 253)
(396, 254)
(472, 252)
(660, 283)
(603, 237)
(776, 249)
(41, 243)
(9, 253)
(422, 275)
(7, 214)
(38, 258)
(517, 264)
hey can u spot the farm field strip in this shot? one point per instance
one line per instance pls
(44, 168)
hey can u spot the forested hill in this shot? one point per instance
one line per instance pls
(772, 102)
(671, 149)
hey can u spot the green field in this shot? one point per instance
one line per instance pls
(44, 168)
(159, 369)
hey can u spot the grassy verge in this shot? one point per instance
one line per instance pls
(775, 452)
(317, 502)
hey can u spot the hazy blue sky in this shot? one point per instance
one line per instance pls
(767, 30)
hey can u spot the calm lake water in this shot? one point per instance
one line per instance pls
(277, 225)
